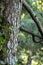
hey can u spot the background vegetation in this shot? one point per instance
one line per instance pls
(29, 53)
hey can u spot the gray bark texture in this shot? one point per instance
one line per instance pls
(11, 11)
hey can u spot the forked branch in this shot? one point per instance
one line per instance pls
(32, 14)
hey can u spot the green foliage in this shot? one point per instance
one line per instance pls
(0, 20)
(26, 44)
(5, 31)
(2, 40)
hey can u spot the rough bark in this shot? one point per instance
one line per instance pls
(11, 10)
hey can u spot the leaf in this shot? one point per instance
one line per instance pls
(2, 40)
(1, 62)
(0, 20)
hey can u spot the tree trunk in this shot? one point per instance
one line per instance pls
(11, 10)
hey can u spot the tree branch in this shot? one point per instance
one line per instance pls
(30, 11)
(33, 35)
(24, 30)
